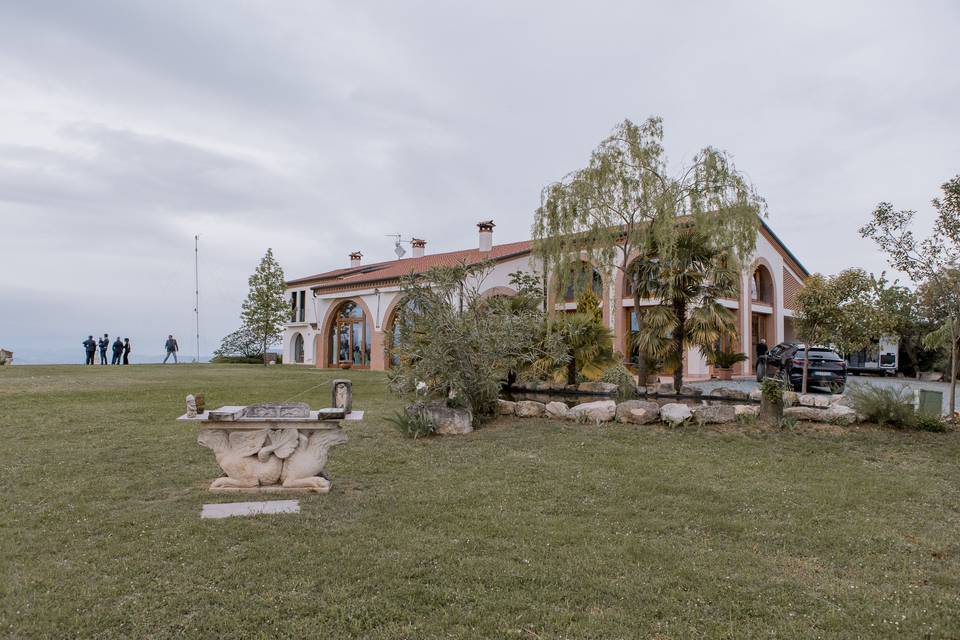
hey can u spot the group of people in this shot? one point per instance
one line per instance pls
(121, 349)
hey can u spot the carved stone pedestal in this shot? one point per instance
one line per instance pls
(268, 448)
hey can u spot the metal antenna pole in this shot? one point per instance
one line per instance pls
(196, 291)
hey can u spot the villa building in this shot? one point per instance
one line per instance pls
(346, 316)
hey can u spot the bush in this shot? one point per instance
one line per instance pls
(242, 360)
(746, 419)
(726, 359)
(924, 422)
(619, 375)
(415, 425)
(887, 406)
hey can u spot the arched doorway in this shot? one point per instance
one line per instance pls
(350, 337)
(298, 348)
(763, 306)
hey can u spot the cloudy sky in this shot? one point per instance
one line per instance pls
(316, 128)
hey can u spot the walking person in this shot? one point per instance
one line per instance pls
(103, 343)
(761, 348)
(90, 347)
(126, 351)
(117, 351)
(172, 348)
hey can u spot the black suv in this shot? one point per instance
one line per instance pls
(785, 361)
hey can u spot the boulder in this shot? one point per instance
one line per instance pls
(811, 414)
(729, 394)
(605, 388)
(746, 410)
(714, 414)
(661, 389)
(789, 398)
(675, 413)
(529, 409)
(638, 411)
(839, 414)
(814, 400)
(447, 420)
(599, 411)
(756, 395)
(557, 410)
(687, 390)
(506, 407)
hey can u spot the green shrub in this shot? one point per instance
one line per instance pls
(924, 422)
(746, 419)
(619, 375)
(788, 422)
(887, 406)
(415, 425)
(726, 359)
(236, 360)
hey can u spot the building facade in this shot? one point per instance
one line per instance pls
(346, 316)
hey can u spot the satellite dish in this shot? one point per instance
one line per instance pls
(400, 251)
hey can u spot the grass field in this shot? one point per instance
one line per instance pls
(532, 529)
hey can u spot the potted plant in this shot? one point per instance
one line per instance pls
(345, 364)
(723, 362)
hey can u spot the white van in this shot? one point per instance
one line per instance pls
(881, 357)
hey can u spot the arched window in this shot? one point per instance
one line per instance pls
(350, 336)
(394, 328)
(761, 286)
(580, 278)
(641, 267)
(298, 349)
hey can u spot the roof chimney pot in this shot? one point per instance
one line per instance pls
(355, 259)
(486, 235)
(419, 247)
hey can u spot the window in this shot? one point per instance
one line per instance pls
(580, 277)
(298, 348)
(350, 337)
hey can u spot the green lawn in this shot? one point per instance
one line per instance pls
(532, 529)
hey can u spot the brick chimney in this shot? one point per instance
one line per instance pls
(419, 247)
(486, 235)
(355, 259)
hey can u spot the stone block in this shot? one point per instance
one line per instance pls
(529, 409)
(687, 390)
(599, 411)
(811, 414)
(557, 410)
(229, 509)
(839, 414)
(714, 414)
(814, 400)
(729, 394)
(605, 388)
(506, 407)
(638, 412)
(675, 413)
(746, 410)
(756, 395)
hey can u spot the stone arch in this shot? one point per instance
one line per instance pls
(325, 357)
(761, 291)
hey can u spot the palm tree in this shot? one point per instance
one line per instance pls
(688, 278)
(588, 347)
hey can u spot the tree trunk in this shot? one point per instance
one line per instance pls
(953, 374)
(641, 356)
(572, 370)
(806, 365)
(680, 310)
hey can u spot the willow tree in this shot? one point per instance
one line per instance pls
(933, 261)
(626, 203)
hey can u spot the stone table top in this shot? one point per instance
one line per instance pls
(229, 418)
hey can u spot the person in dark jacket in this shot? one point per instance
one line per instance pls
(103, 343)
(172, 348)
(90, 346)
(761, 348)
(117, 350)
(126, 351)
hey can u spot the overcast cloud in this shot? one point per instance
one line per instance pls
(317, 128)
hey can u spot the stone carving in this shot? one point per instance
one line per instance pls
(292, 458)
(191, 406)
(277, 410)
(341, 394)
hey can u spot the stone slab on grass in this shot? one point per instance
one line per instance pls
(230, 509)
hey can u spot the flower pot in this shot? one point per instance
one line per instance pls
(724, 373)
(346, 365)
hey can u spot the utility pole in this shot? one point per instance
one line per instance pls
(196, 291)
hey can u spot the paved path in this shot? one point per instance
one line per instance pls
(943, 387)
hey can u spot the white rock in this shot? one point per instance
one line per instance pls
(714, 414)
(756, 395)
(746, 410)
(814, 400)
(675, 413)
(638, 411)
(529, 409)
(599, 411)
(506, 407)
(557, 410)
(839, 414)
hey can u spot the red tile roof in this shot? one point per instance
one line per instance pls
(367, 275)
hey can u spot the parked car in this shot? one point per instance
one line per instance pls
(785, 361)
